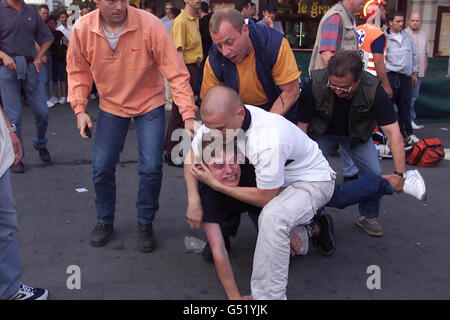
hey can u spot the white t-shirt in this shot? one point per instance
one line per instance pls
(6, 149)
(397, 36)
(66, 31)
(280, 151)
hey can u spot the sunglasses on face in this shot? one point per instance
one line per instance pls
(345, 89)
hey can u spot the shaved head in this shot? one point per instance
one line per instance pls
(220, 100)
(222, 109)
(414, 21)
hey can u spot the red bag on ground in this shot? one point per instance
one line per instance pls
(426, 153)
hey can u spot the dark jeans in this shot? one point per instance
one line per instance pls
(175, 120)
(401, 87)
(109, 139)
(10, 90)
(365, 188)
(364, 155)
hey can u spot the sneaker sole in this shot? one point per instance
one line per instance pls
(370, 233)
(329, 253)
(44, 296)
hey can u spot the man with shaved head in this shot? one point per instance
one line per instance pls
(293, 180)
(421, 40)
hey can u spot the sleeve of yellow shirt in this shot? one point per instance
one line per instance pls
(209, 79)
(285, 69)
(178, 31)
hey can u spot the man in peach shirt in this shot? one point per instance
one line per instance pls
(126, 51)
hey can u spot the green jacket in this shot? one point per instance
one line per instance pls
(361, 118)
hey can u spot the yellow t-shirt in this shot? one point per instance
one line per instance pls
(186, 35)
(251, 91)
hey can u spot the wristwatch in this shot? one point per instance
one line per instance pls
(13, 128)
(401, 174)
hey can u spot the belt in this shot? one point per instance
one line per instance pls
(27, 58)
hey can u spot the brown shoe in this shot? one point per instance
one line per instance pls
(146, 239)
(101, 234)
(370, 226)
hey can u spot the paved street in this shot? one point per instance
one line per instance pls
(55, 221)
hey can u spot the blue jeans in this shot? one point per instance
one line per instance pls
(109, 139)
(367, 188)
(48, 69)
(37, 98)
(348, 167)
(414, 96)
(364, 155)
(10, 267)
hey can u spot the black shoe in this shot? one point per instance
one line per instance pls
(207, 253)
(101, 234)
(146, 240)
(169, 161)
(325, 241)
(44, 154)
(18, 168)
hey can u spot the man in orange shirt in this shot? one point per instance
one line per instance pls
(129, 78)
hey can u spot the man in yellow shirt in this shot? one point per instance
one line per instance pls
(188, 42)
(255, 61)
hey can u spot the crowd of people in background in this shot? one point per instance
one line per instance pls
(242, 71)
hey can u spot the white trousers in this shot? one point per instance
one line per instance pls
(295, 205)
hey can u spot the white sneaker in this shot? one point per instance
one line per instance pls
(50, 104)
(54, 100)
(29, 293)
(414, 185)
(383, 151)
(416, 126)
(62, 100)
(300, 232)
(412, 140)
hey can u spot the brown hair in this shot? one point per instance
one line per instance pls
(234, 17)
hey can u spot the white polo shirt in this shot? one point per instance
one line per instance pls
(6, 148)
(280, 151)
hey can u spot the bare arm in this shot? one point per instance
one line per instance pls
(289, 95)
(17, 146)
(221, 261)
(8, 61)
(380, 68)
(43, 49)
(326, 56)
(194, 211)
(252, 195)
(395, 140)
